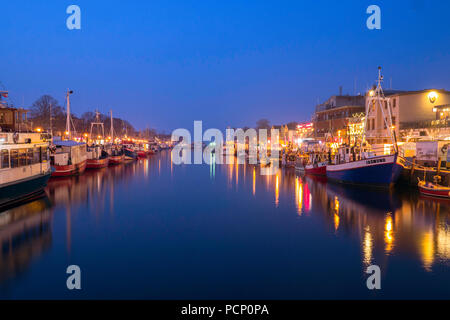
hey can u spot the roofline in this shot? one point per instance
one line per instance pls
(339, 108)
(400, 93)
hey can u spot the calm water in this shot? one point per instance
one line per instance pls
(154, 230)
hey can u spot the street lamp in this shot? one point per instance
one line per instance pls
(432, 96)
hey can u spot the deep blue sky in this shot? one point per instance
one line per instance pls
(166, 63)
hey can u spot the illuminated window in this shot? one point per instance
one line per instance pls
(4, 159)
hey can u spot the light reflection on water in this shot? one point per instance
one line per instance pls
(395, 229)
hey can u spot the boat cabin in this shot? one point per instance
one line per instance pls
(67, 152)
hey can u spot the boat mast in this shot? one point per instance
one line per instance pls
(96, 124)
(387, 118)
(69, 92)
(112, 128)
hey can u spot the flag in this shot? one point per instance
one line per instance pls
(4, 94)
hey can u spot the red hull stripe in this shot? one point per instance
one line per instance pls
(69, 170)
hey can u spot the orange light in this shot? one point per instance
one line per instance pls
(432, 96)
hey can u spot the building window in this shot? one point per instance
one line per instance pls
(373, 124)
(4, 159)
(394, 103)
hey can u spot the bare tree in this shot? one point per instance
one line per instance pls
(40, 111)
(263, 124)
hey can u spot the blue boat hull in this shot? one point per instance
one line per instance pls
(380, 174)
(130, 154)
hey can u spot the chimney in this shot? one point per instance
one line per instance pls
(340, 90)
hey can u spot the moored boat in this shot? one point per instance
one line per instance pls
(300, 163)
(114, 160)
(141, 153)
(24, 165)
(318, 169)
(97, 158)
(378, 171)
(68, 158)
(358, 163)
(130, 154)
(289, 160)
(317, 164)
(434, 189)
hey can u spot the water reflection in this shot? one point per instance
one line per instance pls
(386, 222)
(380, 224)
(25, 233)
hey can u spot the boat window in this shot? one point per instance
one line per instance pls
(30, 156)
(22, 157)
(4, 158)
(14, 158)
(44, 154)
(37, 155)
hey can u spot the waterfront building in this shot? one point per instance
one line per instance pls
(415, 114)
(294, 132)
(304, 130)
(332, 117)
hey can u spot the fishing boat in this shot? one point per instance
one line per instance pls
(288, 160)
(141, 153)
(116, 155)
(317, 164)
(67, 157)
(300, 163)
(130, 154)
(118, 159)
(357, 164)
(378, 170)
(24, 165)
(434, 189)
(115, 152)
(318, 168)
(97, 158)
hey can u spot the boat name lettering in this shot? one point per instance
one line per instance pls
(375, 161)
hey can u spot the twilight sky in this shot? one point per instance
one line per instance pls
(167, 63)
